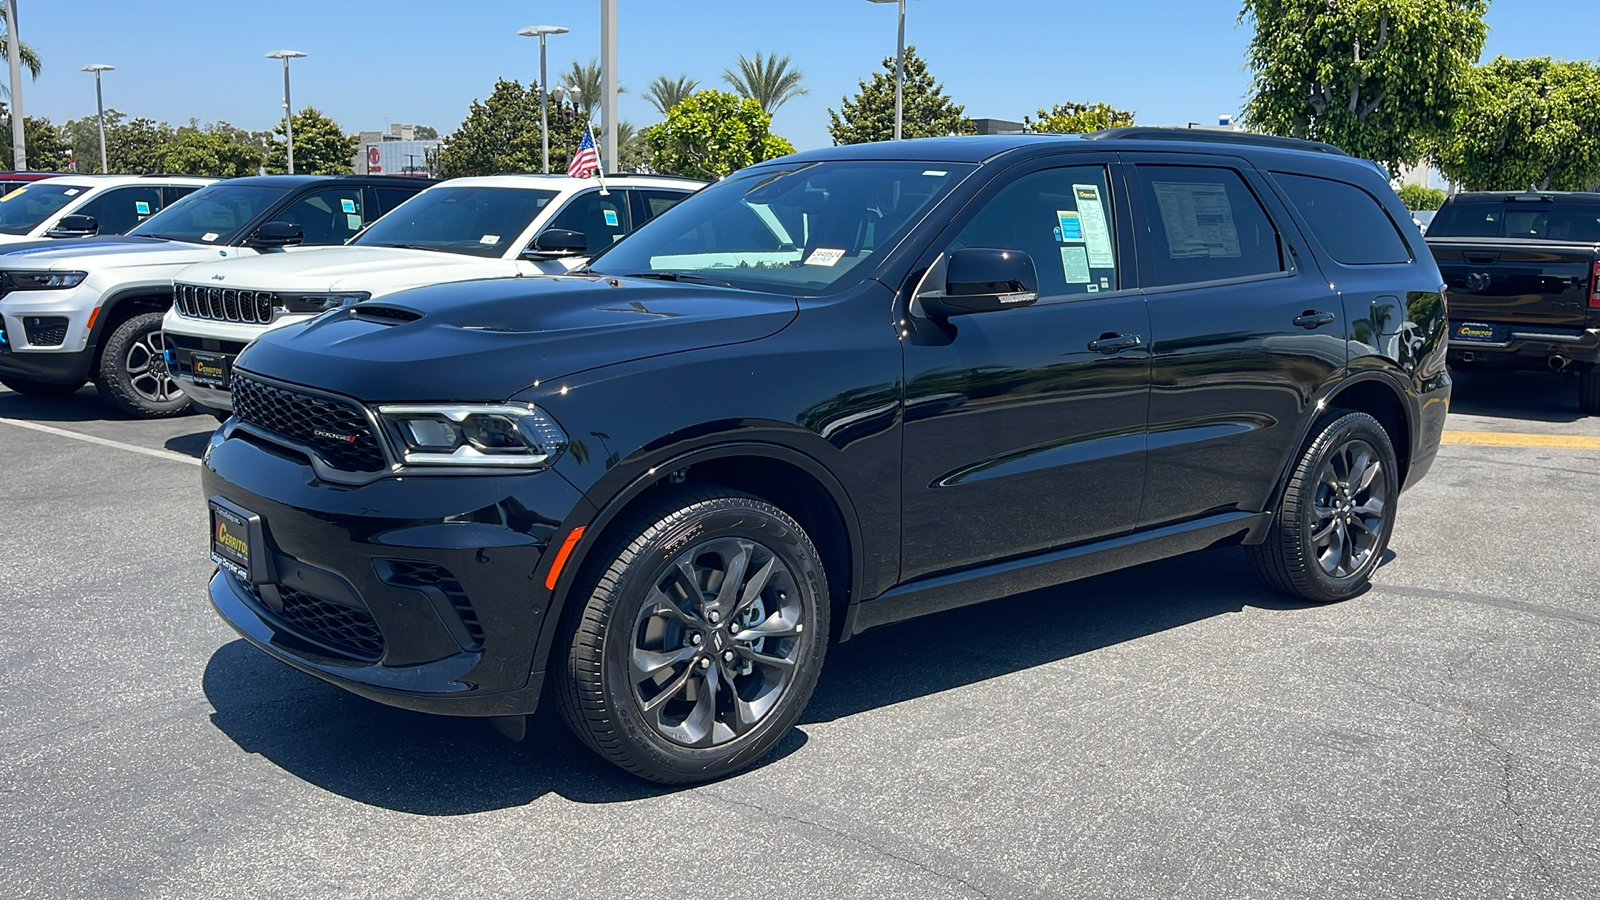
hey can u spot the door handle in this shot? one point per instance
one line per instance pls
(1111, 343)
(1313, 319)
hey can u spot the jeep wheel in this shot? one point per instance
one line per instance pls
(1337, 513)
(133, 373)
(700, 640)
(30, 388)
(1589, 391)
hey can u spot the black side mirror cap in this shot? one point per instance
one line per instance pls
(74, 227)
(984, 279)
(278, 234)
(558, 242)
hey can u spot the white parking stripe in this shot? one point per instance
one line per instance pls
(91, 439)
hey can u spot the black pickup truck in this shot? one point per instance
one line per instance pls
(1523, 271)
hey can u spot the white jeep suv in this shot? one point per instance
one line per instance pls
(85, 205)
(496, 226)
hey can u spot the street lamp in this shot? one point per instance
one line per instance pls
(100, 108)
(541, 32)
(288, 111)
(899, 66)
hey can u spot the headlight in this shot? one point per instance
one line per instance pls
(45, 281)
(499, 435)
(316, 303)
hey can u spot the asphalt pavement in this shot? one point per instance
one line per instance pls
(1173, 730)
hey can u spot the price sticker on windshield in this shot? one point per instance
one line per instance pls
(824, 257)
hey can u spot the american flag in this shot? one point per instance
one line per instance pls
(585, 161)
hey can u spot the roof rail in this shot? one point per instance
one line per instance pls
(1211, 136)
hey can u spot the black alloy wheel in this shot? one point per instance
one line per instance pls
(133, 374)
(701, 642)
(1337, 513)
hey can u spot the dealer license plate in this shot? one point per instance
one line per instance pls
(230, 541)
(209, 369)
(1478, 331)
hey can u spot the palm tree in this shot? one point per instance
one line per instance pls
(30, 57)
(664, 94)
(768, 81)
(584, 83)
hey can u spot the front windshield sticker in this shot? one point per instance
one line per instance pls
(489, 239)
(141, 207)
(209, 236)
(1199, 220)
(822, 257)
(13, 194)
(936, 173)
(71, 191)
(347, 205)
(1070, 231)
(1075, 265)
(1096, 229)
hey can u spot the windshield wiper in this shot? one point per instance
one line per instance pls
(402, 246)
(680, 276)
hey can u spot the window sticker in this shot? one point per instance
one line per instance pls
(1094, 288)
(822, 257)
(1198, 219)
(141, 207)
(936, 173)
(352, 222)
(16, 193)
(1096, 227)
(1075, 265)
(347, 205)
(1071, 227)
(611, 218)
(1105, 284)
(209, 236)
(71, 192)
(489, 239)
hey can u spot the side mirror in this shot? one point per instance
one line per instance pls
(982, 279)
(558, 242)
(74, 227)
(278, 234)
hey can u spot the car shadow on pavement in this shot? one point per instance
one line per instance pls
(191, 444)
(83, 405)
(428, 765)
(1512, 394)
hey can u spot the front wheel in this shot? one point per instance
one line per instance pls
(700, 641)
(30, 388)
(1337, 513)
(133, 374)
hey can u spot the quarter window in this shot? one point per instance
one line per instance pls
(1062, 219)
(1203, 224)
(1349, 222)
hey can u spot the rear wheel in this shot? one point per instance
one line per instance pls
(1337, 513)
(1589, 391)
(700, 642)
(133, 374)
(30, 388)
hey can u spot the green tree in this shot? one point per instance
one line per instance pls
(1079, 118)
(926, 110)
(48, 151)
(1527, 122)
(426, 133)
(501, 134)
(213, 152)
(665, 93)
(1416, 197)
(30, 61)
(1380, 79)
(84, 137)
(584, 83)
(136, 147)
(767, 80)
(320, 146)
(711, 134)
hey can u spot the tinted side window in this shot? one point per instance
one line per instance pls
(119, 209)
(389, 198)
(658, 202)
(1203, 224)
(175, 192)
(1059, 217)
(329, 216)
(603, 220)
(1349, 222)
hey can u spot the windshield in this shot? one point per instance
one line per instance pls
(24, 208)
(1577, 219)
(805, 229)
(477, 221)
(210, 215)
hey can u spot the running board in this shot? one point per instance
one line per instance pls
(1016, 576)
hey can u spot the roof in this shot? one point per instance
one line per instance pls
(568, 183)
(112, 180)
(1530, 195)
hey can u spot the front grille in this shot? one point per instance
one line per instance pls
(350, 631)
(204, 345)
(197, 301)
(425, 576)
(45, 331)
(336, 429)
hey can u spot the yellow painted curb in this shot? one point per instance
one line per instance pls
(1509, 439)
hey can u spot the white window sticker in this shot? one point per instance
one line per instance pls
(210, 236)
(489, 239)
(347, 205)
(1198, 219)
(1069, 227)
(141, 207)
(936, 173)
(71, 192)
(1075, 265)
(352, 222)
(1096, 228)
(822, 257)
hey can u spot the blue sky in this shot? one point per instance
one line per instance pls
(1173, 61)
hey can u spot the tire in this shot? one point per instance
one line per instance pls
(1321, 547)
(1589, 391)
(30, 388)
(637, 673)
(133, 376)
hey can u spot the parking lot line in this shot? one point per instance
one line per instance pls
(1512, 439)
(91, 439)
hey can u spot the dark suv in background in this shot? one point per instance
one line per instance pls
(828, 393)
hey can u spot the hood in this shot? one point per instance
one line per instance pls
(487, 340)
(374, 269)
(102, 252)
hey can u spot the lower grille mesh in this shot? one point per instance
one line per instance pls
(350, 631)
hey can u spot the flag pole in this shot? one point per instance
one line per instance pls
(600, 164)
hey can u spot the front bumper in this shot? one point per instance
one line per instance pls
(344, 600)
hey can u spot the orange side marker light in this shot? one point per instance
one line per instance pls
(561, 558)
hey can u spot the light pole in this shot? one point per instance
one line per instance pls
(541, 32)
(608, 81)
(288, 111)
(899, 66)
(19, 145)
(100, 108)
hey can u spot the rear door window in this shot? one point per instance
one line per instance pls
(1349, 222)
(654, 203)
(1203, 224)
(119, 209)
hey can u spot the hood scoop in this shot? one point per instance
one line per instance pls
(383, 315)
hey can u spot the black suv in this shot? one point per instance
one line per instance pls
(828, 393)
